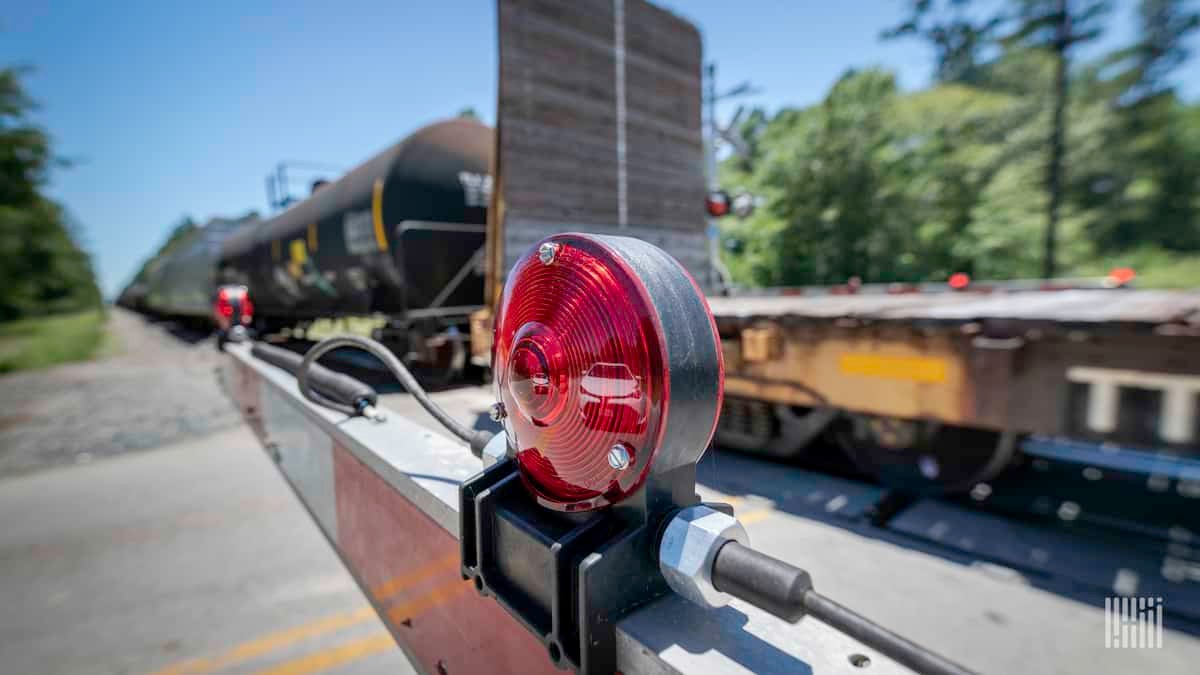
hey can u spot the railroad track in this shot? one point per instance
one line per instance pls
(1027, 527)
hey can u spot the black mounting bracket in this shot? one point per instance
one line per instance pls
(568, 578)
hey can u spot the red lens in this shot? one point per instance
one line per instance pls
(580, 366)
(1122, 275)
(959, 280)
(717, 204)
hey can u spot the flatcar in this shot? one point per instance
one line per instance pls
(939, 392)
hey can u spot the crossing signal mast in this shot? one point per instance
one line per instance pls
(718, 203)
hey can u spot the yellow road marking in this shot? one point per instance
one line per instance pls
(436, 596)
(914, 368)
(397, 584)
(334, 656)
(269, 643)
(755, 516)
(328, 624)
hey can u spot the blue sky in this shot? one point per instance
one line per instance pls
(173, 108)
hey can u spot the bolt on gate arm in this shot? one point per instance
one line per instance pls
(386, 495)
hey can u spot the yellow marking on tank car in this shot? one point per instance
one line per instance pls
(912, 368)
(299, 255)
(377, 214)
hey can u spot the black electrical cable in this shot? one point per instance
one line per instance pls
(337, 387)
(474, 438)
(787, 592)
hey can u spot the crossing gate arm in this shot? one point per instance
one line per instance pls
(385, 494)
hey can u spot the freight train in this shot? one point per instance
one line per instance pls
(401, 236)
(182, 284)
(930, 388)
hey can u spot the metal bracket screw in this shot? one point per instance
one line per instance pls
(618, 457)
(547, 252)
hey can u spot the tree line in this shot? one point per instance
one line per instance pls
(43, 268)
(1022, 159)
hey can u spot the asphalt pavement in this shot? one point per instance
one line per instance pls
(191, 556)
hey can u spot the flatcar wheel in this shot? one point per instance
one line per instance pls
(772, 429)
(924, 457)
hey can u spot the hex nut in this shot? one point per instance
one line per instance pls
(495, 451)
(689, 546)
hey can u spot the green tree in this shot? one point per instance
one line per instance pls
(834, 176)
(1159, 168)
(1019, 141)
(1148, 64)
(1055, 27)
(43, 269)
(959, 39)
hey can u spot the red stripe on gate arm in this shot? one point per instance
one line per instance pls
(411, 567)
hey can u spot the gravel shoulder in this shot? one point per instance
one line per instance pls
(157, 388)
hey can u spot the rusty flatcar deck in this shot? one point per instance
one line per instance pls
(1116, 365)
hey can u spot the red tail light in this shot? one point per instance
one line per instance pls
(224, 307)
(599, 342)
(959, 280)
(247, 309)
(226, 296)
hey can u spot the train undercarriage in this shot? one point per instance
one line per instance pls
(921, 457)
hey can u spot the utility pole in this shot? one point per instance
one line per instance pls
(711, 97)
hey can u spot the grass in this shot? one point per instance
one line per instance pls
(42, 342)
